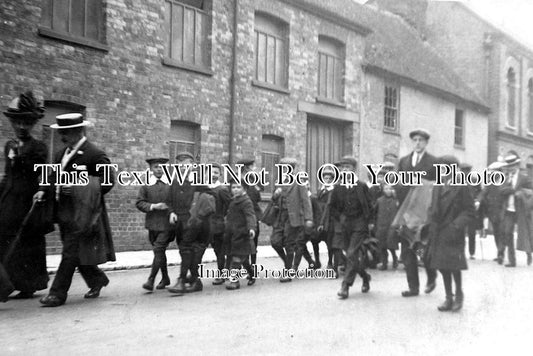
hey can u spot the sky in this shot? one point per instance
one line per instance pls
(513, 16)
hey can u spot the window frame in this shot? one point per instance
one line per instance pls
(514, 86)
(336, 52)
(280, 142)
(67, 36)
(263, 25)
(196, 143)
(205, 66)
(462, 128)
(388, 108)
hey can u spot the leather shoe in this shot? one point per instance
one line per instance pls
(510, 265)
(458, 302)
(409, 293)
(285, 279)
(178, 288)
(51, 301)
(218, 281)
(195, 286)
(233, 285)
(24, 295)
(343, 292)
(251, 281)
(93, 292)
(149, 285)
(366, 284)
(165, 281)
(447, 305)
(430, 287)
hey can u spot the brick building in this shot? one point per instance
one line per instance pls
(159, 76)
(493, 63)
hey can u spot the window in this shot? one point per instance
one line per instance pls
(188, 29)
(530, 103)
(272, 149)
(511, 97)
(330, 69)
(48, 135)
(80, 21)
(271, 50)
(459, 139)
(391, 108)
(184, 136)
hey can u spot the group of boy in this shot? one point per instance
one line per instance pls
(196, 217)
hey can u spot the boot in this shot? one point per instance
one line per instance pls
(343, 292)
(218, 281)
(458, 302)
(149, 285)
(165, 281)
(196, 286)
(366, 283)
(447, 305)
(233, 285)
(178, 288)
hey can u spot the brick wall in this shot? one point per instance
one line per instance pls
(131, 97)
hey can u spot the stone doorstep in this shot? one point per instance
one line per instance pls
(143, 259)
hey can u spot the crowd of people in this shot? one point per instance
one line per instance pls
(360, 223)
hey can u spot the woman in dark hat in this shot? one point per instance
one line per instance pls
(26, 262)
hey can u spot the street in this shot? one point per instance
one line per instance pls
(274, 318)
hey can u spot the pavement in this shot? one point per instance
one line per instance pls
(143, 259)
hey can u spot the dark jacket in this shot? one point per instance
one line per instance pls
(522, 193)
(491, 202)
(155, 220)
(97, 247)
(348, 202)
(297, 203)
(19, 183)
(222, 200)
(239, 221)
(405, 165)
(452, 208)
(254, 193)
(180, 199)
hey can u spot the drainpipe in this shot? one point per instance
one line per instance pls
(233, 81)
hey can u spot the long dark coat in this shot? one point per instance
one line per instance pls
(239, 221)
(27, 265)
(97, 247)
(452, 208)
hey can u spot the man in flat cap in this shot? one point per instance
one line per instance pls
(351, 205)
(417, 161)
(26, 263)
(254, 193)
(514, 193)
(490, 200)
(288, 238)
(152, 201)
(81, 211)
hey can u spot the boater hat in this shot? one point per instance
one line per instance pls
(25, 106)
(420, 132)
(512, 160)
(69, 121)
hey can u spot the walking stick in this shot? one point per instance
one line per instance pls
(18, 236)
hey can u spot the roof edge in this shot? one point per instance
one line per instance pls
(384, 73)
(329, 15)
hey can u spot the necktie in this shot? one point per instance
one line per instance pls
(417, 158)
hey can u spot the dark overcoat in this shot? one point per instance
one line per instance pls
(239, 221)
(27, 264)
(522, 193)
(452, 208)
(97, 246)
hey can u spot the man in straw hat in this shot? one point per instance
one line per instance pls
(24, 257)
(515, 190)
(81, 211)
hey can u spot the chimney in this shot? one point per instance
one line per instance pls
(412, 11)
